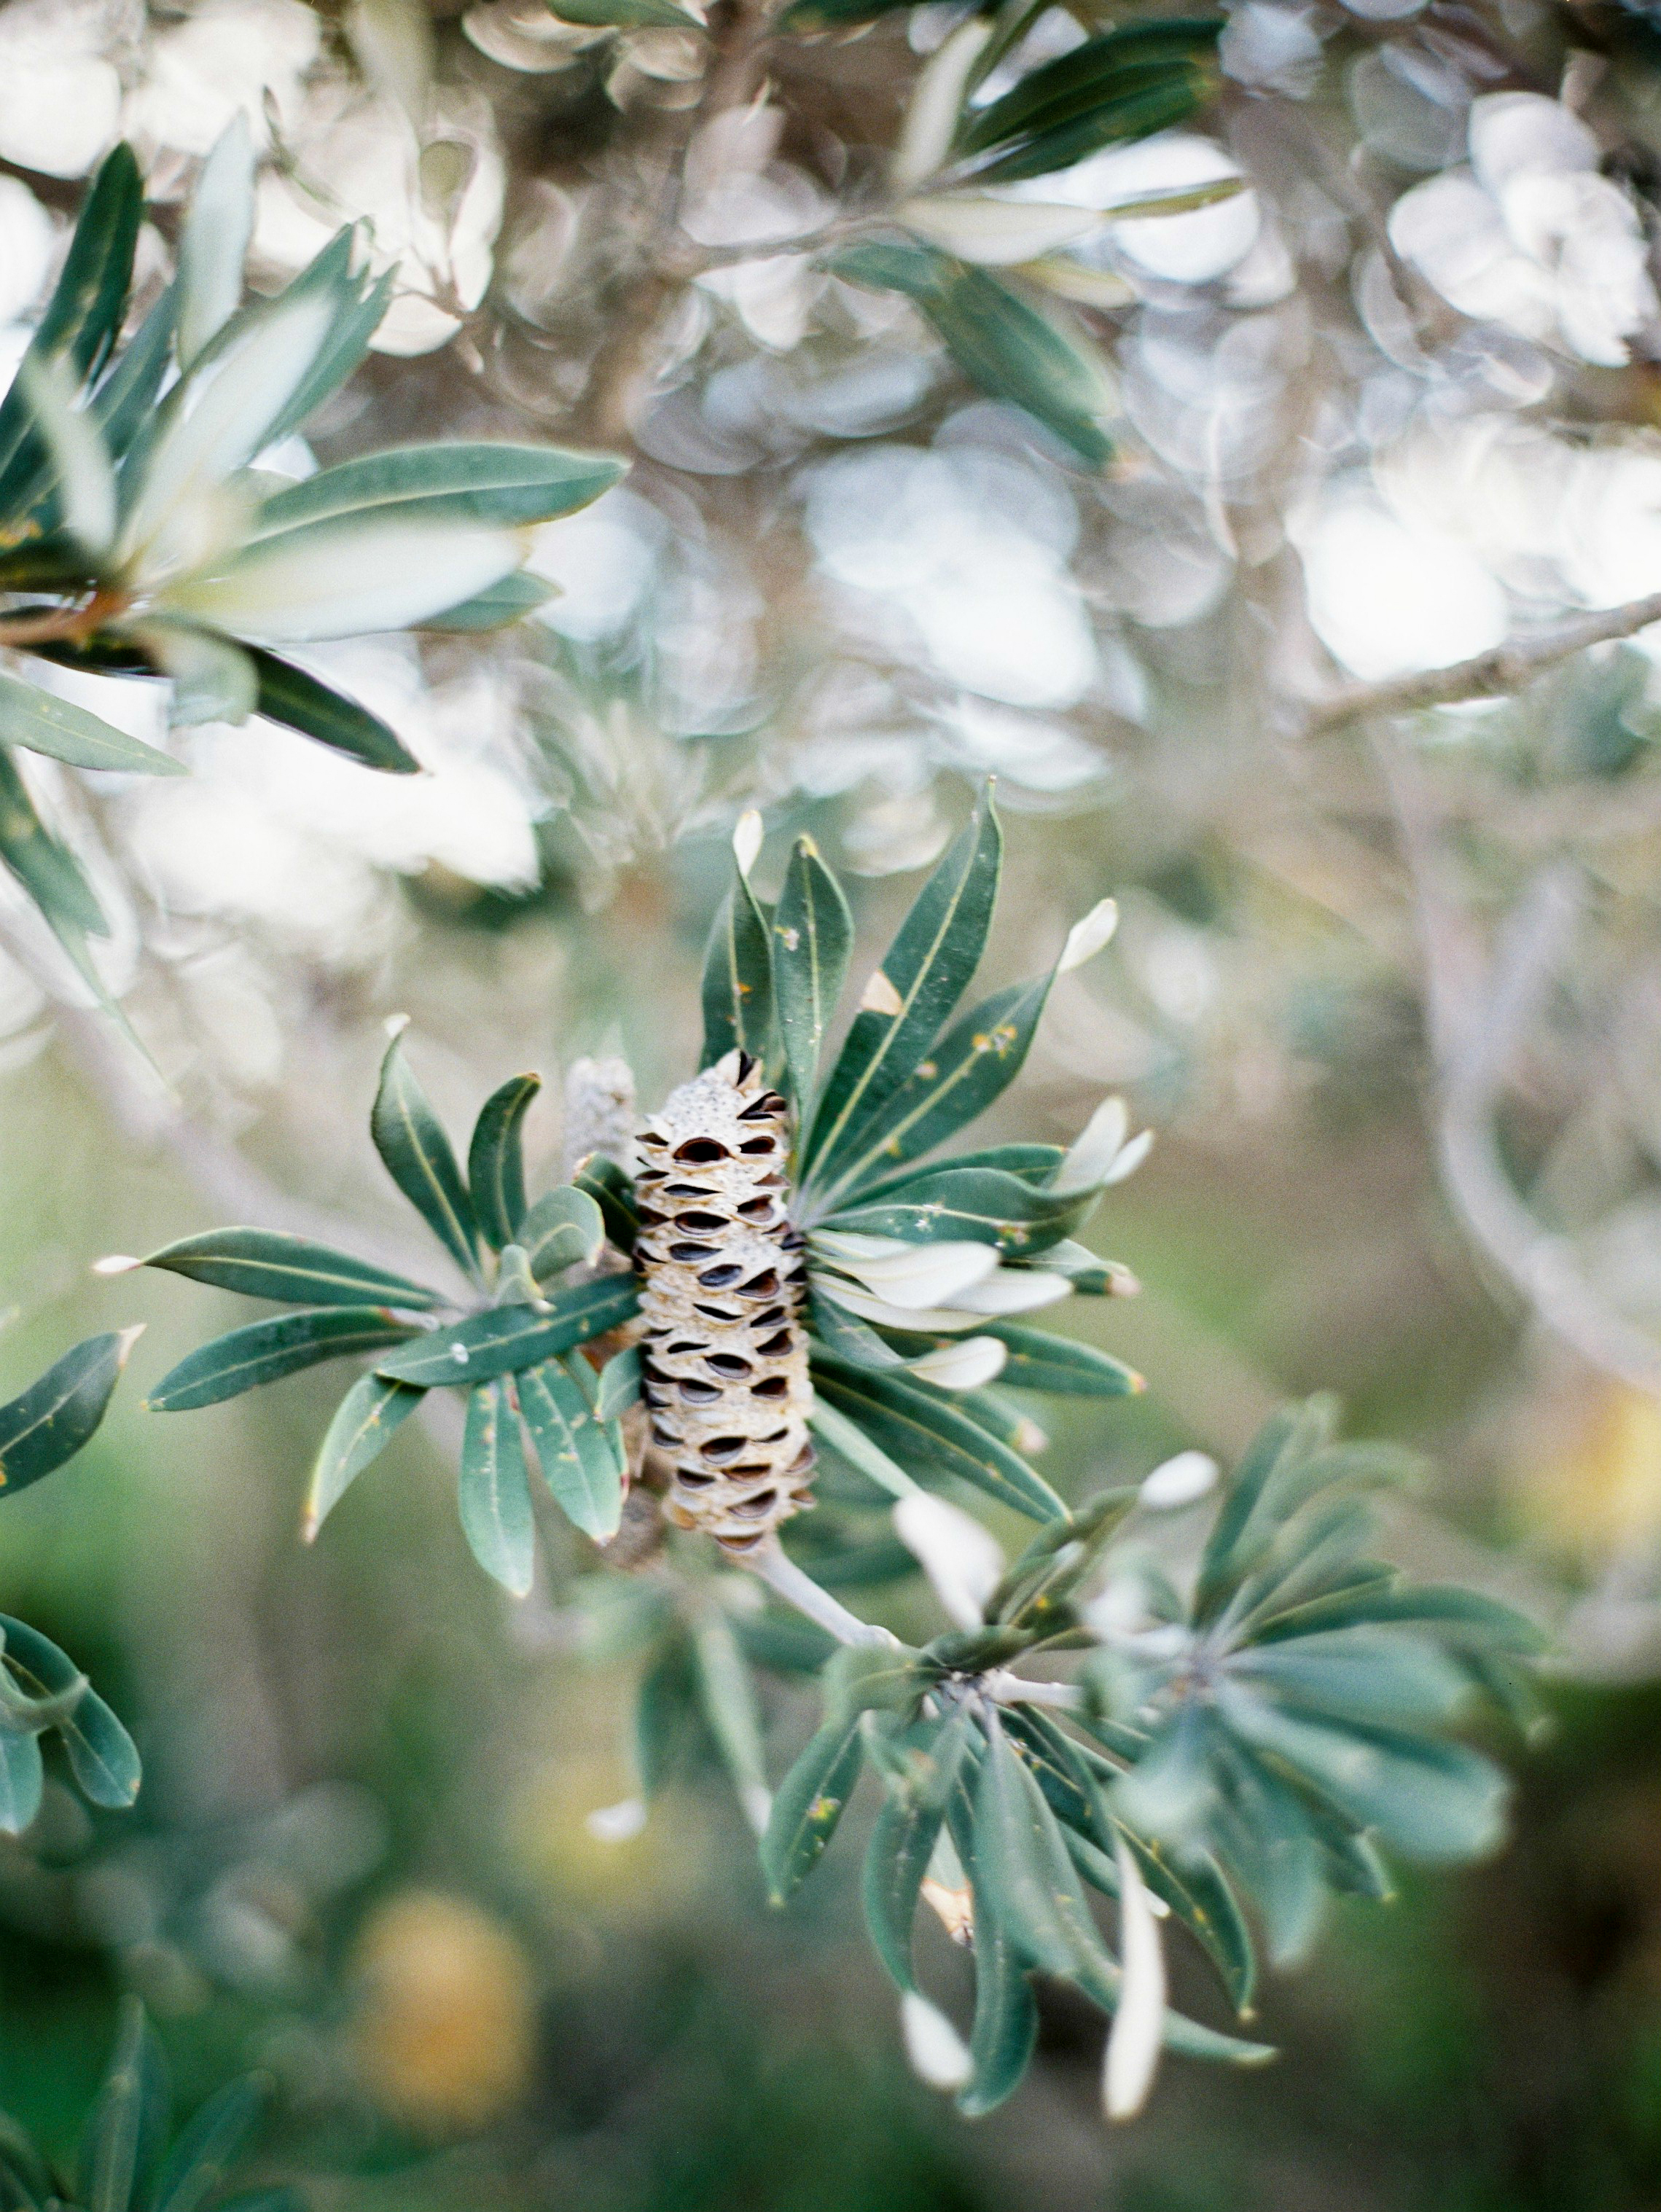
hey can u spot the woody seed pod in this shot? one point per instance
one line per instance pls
(725, 1371)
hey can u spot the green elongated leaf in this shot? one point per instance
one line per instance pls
(737, 978)
(510, 1338)
(978, 1059)
(563, 1226)
(213, 242)
(1021, 1859)
(896, 1860)
(513, 484)
(980, 1204)
(23, 2169)
(1264, 1832)
(1319, 1549)
(1039, 1361)
(49, 1422)
(1005, 2029)
(727, 1696)
(1158, 102)
(47, 870)
(495, 1161)
(1291, 1434)
(1434, 1801)
(1356, 1675)
(1070, 1787)
(102, 1756)
(199, 2161)
(999, 341)
(576, 1449)
(921, 1427)
(43, 723)
(813, 934)
(1461, 1618)
(409, 1137)
(783, 1645)
(22, 1778)
(83, 316)
(363, 1422)
(361, 299)
(513, 597)
(290, 696)
(863, 1677)
(848, 1439)
(265, 1351)
(808, 1806)
(269, 1263)
(1078, 84)
(628, 15)
(494, 1491)
(1170, 1791)
(863, 1566)
(613, 1192)
(1197, 1891)
(850, 1339)
(128, 2122)
(619, 1383)
(1034, 1164)
(126, 398)
(515, 1283)
(666, 1715)
(924, 973)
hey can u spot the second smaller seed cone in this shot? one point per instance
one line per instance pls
(722, 1281)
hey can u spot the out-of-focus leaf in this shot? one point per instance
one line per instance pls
(102, 1756)
(920, 1427)
(1005, 2029)
(999, 341)
(576, 1448)
(1460, 1618)
(627, 14)
(848, 1439)
(737, 978)
(22, 1778)
(496, 485)
(563, 1226)
(364, 301)
(863, 1677)
(47, 870)
(45, 724)
(924, 973)
(1269, 1840)
(128, 2122)
(1124, 84)
(213, 679)
(808, 1806)
(1031, 1884)
(667, 1714)
(363, 1422)
(199, 2161)
(1292, 1433)
(411, 1139)
(49, 1422)
(983, 1204)
(288, 695)
(1353, 1674)
(215, 238)
(495, 1489)
(265, 1351)
(510, 601)
(728, 1699)
(1091, 1276)
(269, 1263)
(1038, 1361)
(125, 399)
(495, 1160)
(510, 1338)
(812, 935)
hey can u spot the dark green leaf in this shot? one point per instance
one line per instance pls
(921, 1428)
(1038, 1361)
(563, 1226)
(1290, 1435)
(495, 1161)
(1124, 85)
(509, 1337)
(812, 935)
(1034, 1165)
(49, 1422)
(199, 2161)
(288, 695)
(22, 1778)
(410, 1139)
(362, 299)
(1031, 1885)
(727, 1697)
(808, 1806)
(895, 1861)
(507, 485)
(126, 398)
(1358, 1674)
(268, 1263)
(494, 1491)
(267, 1350)
(613, 1192)
(628, 15)
(1461, 1618)
(1091, 1276)
(738, 979)
(127, 2124)
(980, 1204)
(1266, 1834)
(666, 1715)
(924, 972)
(363, 1422)
(47, 870)
(43, 723)
(101, 1754)
(577, 1450)
(1006, 2027)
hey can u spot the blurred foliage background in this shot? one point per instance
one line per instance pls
(1385, 985)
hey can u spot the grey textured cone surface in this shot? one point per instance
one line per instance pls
(723, 1282)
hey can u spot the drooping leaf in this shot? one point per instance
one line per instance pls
(515, 597)
(813, 934)
(1006, 2030)
(411, 1139)
(923, 974)
(495, 1489)
(666, 1715)
(49, 1422)
(44, 723)
(490, 484)
(578, 1450)
(290, 696)
(265, 1351)
(921, 1428)
(495, 1161)
(1293, 1432)
(510, 1338)
(363, 1423)
(895, 1861)
(1127, 84)
(269, 1263)
(808, 1806)
(102, 1755)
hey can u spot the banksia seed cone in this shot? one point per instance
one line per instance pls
(723, 1275)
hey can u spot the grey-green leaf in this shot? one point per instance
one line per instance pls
(102, 1756)
(921, 1429)
(269, 1263)
(363, 1421)
(495, 1489)
(199, 2161)
(503, 484)
(813, 936)
(49, 1422)
(495, 1160)
(738, 981)
(410, 1139)
(576, 1449)
(509, 1337)
(43, 723)
(563, 1226)
(808, 1806)
(267, 1350)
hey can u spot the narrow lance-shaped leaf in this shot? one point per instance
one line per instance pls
(201, 2157)
(363, 1422)
(215, 238)
(919, 1427)
(410, 1140)
(808, 1806)
(125, 2125)
(495, 1490)
(295, 698)
(737, 985)
(265, 1351)
(728, 1697)
(577, 1450)
(269, 1263)
(43, 723)
(47, 870)
(1006, 2030)
(22, 1779)
(923, 974)
(49, 1422)
(813, 936)
(102, 1756)
(492, 483)
(512, 1337)
(495, 1160)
